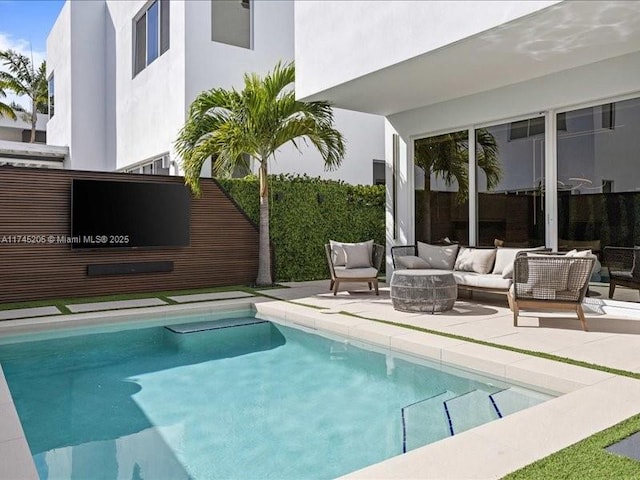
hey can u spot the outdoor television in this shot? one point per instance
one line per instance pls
(115, 214)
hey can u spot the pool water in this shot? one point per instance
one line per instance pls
(250, 401)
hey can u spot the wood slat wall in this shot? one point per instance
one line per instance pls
(223, 250)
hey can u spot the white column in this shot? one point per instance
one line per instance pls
(473, 187)
(551, 180)
(400, 229)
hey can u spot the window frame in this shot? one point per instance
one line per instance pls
(163, 29)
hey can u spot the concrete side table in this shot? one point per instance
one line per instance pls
(427, 291)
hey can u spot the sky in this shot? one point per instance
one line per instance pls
(24, 26)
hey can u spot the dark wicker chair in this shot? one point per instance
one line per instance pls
(624, 267)
(363, 275)
(551, 282)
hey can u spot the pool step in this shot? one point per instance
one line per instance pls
(470, 410)
(513, 400)
(425, 421)
(213, 325)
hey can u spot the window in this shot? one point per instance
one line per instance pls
(378, 172)
(158, 166)
(231, 22)
(533, 126)
(150, 34)
(50, 88)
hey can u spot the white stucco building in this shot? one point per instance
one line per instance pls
(125, 73)
(556, 84)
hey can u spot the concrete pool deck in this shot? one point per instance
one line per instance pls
(592, 400)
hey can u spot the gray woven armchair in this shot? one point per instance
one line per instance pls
(341, 273)
(550, 282)
(624, 267)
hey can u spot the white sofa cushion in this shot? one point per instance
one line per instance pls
(479, 260)
(344, 272)
(412, 262)
(472, 279)
(439, 257)
(357, 256)
(338, 256)
(505, 256)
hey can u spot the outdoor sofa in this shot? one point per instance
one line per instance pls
(487, 269)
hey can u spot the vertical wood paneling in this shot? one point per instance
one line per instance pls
(223, 250)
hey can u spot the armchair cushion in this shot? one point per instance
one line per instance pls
(344, 272)
(438, 257)
(479, 260)
(357, 256)
(338, 256)
(411, 262)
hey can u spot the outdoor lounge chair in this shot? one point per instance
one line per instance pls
(365, 271)
(550, 282)
(624, 267)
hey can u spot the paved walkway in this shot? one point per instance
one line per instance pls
(613, 339)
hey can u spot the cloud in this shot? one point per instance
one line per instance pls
(7, 42)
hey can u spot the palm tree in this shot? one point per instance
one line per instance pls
(6, 110)
(447, 156)
(226, 125)
(23, 79)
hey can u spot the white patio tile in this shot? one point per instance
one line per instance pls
(10, 427)
(95, 306)
(201, 297)
(423, 344)
(16, 462)
(28, 312)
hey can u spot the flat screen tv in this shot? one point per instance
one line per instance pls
(113, 214)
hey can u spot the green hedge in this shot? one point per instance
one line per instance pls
(305, 213)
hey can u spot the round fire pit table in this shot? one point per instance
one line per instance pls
(427, 291)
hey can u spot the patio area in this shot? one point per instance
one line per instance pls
(613, 339)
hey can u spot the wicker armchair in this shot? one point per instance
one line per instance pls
(624, 267)
(402, 251)
(341, 274)
(550, 281)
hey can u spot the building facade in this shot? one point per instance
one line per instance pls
(125, 73)
(537, 103)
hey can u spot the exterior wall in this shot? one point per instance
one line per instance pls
(148, 109)
(75, 56)
(212, 64)
(366, 36)
(59, 63)
(112, 120)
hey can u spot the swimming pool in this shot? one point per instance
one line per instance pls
(250, 400)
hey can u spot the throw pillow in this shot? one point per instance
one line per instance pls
(357, 256)
(441, 257)
(578, 276)
(337, 251)
(479, 260)
(411, 261)
(505, 257)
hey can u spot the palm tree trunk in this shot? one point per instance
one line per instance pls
(34, 119)
(264, 250)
